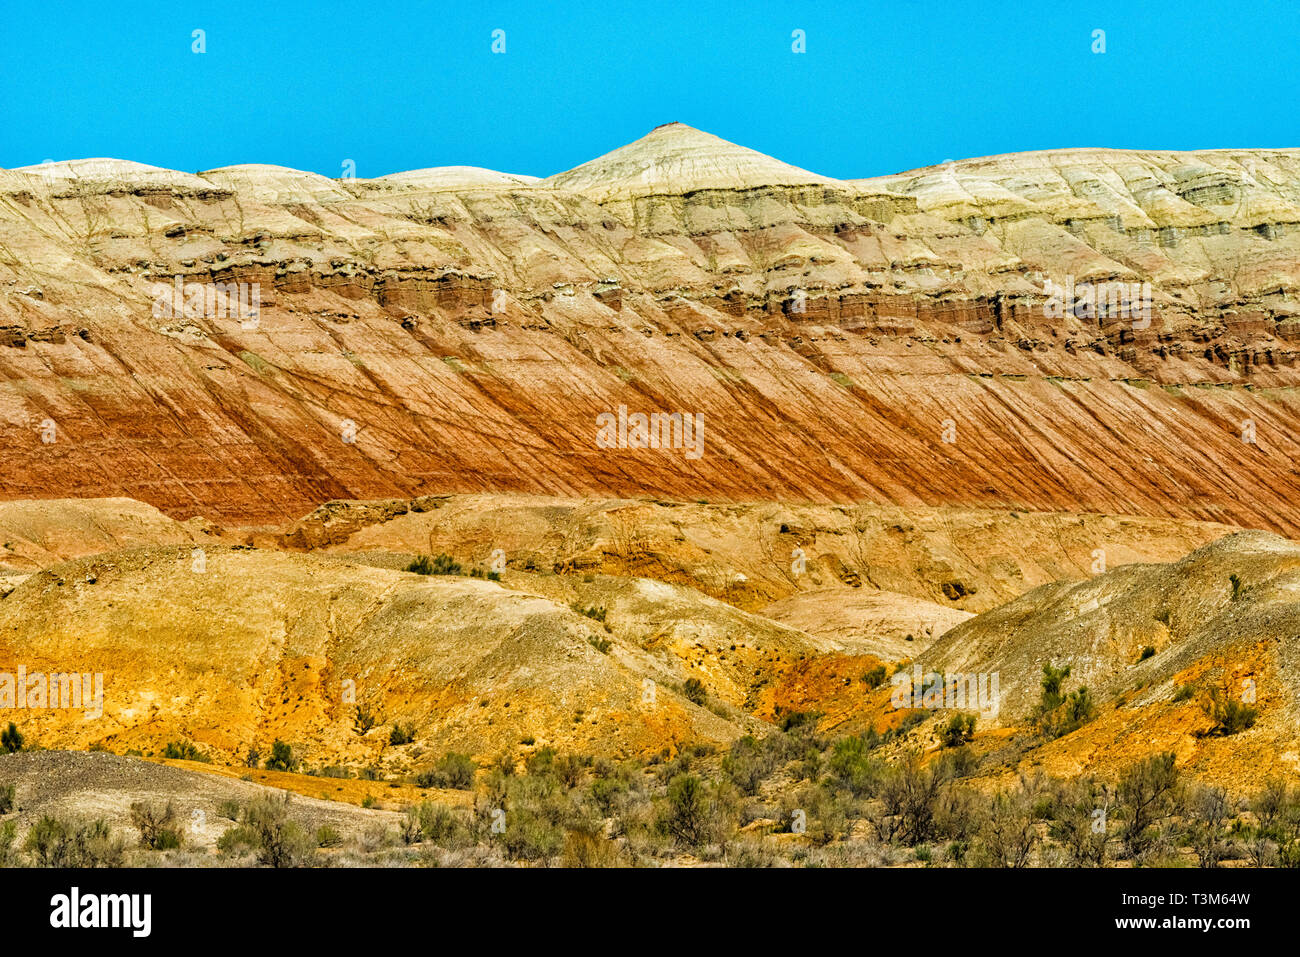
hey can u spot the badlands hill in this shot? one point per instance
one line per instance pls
(1224, 620)
(604, 612)
(459, 330)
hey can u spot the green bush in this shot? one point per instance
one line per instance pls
(875, 677)
(693, 690)
(441, 564)
(184, 751)
(282, 757)
(454, 770)
(1230, 716)
(600, 644)
(747, 764)
(442, 826)
(1058, 714)
(156, 825)
(6, 798)
(401, 734)
(959, 729)
(266, 828)
(11, 739)
(1147, 793)
(364, 720)
(852, 765)
(694, 814)
(54, 842)
(327, 836)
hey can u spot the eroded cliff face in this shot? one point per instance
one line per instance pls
(461, 330)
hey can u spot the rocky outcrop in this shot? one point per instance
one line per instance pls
(890, 339)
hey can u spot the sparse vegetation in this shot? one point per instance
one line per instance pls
(401, 734)
(959, 729)
(441, 564)
(454, 770)
(156, 825)
(1059, 714)
(282, 757)
(694, 691)
(1229, 715)
(11, 739)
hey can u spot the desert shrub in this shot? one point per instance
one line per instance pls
(1274, 838)
(595, 614)
(818, 811)
(540, 762)
(910, 793)
(363, 720)
(156, 825)
(278, 840)
(442, 826)
(252, 758)
(1207, 812)
(1229, 715)
(54, 842)
(11, 739)
(282, 757)
(1009, 832)
(809, 768)
(1058, 714)
(536, 812)
(875, 677)
(454, 770)
(798, 722)
(8, 839)
(184, 751)
(589, 848)
(1235, 580)
(1148, 792)
(600, 644)
(401, 734)
(410, 826)
(747, 764)
(229, 809)
(693, 814)
(1147, 652)
(327, 836)
(694, 691)
(1080, 821)
(530, 836)
(605, 793)
(6, 798)
(853, 766)
(441, 564)
(958, 763)
(959, 729)
(570, 768)
(1185, 693)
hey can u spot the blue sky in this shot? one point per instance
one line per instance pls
(883, 86)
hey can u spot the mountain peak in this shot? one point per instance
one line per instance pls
(678, 158)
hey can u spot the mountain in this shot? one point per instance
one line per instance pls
(891, 340)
